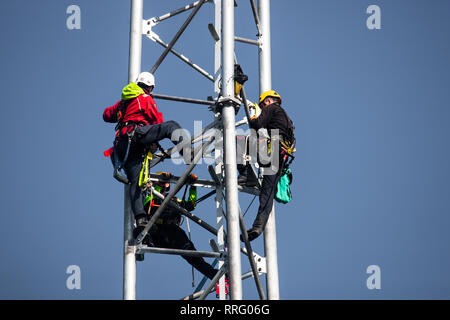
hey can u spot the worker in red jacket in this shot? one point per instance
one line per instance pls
(139, 126)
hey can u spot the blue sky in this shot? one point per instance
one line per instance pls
(371, 177)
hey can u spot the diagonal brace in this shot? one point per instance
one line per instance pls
(250, 257)
(186, 213)
(214, 280)
(178, 11)
(154, 37)
(177, 36)
(197, 136)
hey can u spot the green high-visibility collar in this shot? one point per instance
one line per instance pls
(132, 91)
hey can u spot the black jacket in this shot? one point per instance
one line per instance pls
(273, 117)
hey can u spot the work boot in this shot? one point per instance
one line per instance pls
(252, 234)
(246, 177)
(140, 257)
(141, 223)
(242, 180)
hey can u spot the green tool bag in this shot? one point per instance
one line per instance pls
(283, 194)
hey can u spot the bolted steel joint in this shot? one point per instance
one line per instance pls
(228, 102)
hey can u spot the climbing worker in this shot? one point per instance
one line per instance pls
(166, 232)
(272, 116)
(140, 126)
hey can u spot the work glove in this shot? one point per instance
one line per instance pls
(254, 110)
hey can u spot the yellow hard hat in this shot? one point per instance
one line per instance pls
(269, 93)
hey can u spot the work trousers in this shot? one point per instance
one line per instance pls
(171, 236)
(266, 197)
(144, 136)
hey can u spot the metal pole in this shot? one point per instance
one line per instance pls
(175, 12)
(213, 282)
(218, 154)
(186, 253)
(245, 40)
(197, 137)
(228, 113)
(206, 196)
(265, 83)
(199, 293)
(184, 59)
(255, 15)
(244, 98)
(134, 68)
(181, 99)
(248, 246)
(186, 213)
(174, 179)
(249, 253)
(177, 36)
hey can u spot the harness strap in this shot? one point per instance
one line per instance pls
(119, 164)
(144, 175)
(287, 147)
(130, 125)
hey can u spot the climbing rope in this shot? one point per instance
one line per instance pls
(249, 205)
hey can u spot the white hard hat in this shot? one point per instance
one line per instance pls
(146, 78)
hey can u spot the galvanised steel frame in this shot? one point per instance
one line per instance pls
(223, 174)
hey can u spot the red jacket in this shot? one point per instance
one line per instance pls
(141, 109)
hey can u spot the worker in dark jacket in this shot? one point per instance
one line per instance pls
(272, 116)
(136, 113)
(166, 232)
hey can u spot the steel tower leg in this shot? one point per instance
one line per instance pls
(219, 151)
(134, 68)
(265, 83)
(228, 113)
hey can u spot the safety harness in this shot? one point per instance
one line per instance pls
(118, 163)
(287, 144)
(144, 175)
(124, 130)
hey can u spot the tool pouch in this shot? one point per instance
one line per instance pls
(284, 194)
